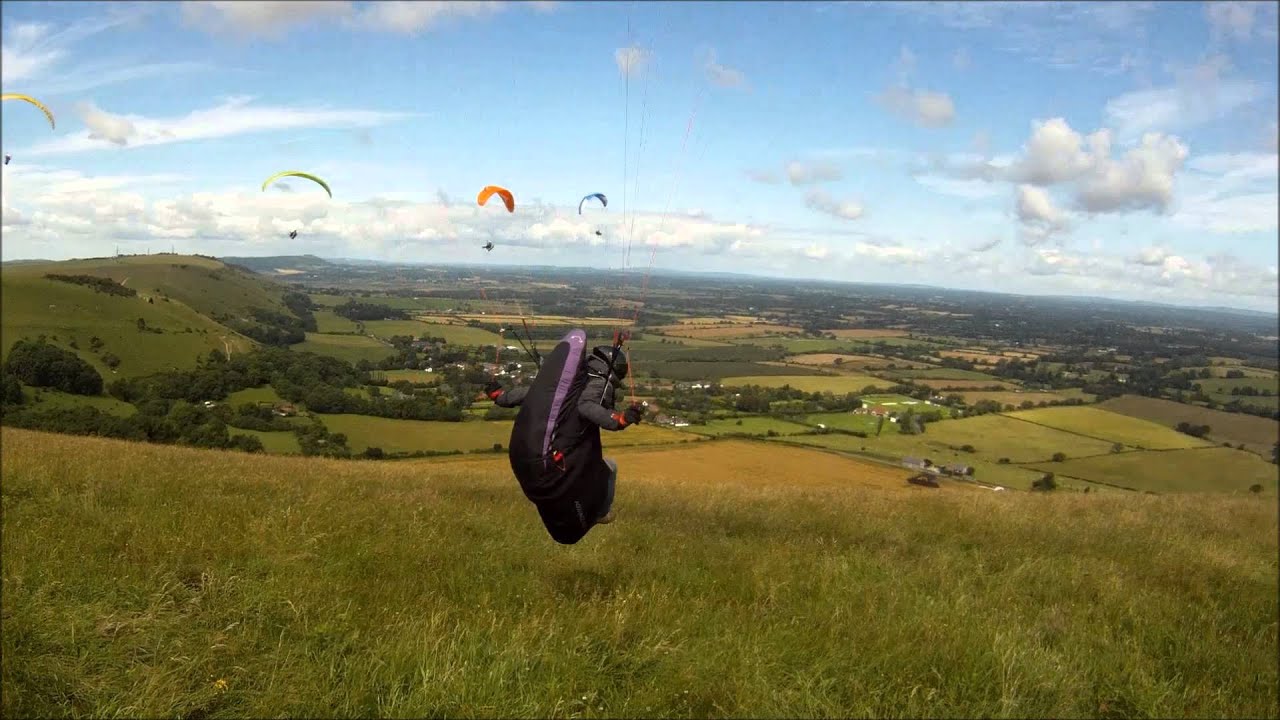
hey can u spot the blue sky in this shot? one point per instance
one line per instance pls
(1116, 149)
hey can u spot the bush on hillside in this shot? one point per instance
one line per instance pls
(40, 364)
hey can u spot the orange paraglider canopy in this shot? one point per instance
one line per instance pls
(490, 190)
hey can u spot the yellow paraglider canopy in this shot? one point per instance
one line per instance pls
(298, 173)
(33, 101)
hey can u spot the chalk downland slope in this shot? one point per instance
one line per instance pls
(739, 579)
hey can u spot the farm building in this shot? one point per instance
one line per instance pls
(916, 463)
(957, 469)
(285, 410)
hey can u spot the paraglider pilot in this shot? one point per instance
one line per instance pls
(555, 447)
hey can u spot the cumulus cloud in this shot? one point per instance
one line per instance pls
(271, 18)
(1036, 212)
(1142, 177)
(986, 245)
(810, 173)
(235, 116)
(820, 201)
(925, 108)
(631, 60)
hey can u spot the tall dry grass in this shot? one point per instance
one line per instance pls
(738, 580)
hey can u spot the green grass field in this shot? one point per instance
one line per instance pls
(844, 421)
(327, 321)
(1224, 386)
(393, 301)
(838, 384)
(282, 442)
(403, 436)
(48, 399)
(1198, 470)
(710, 371)
(995, 436)
(1112, 427)
(31, 305)
(352, 348)
(452, 334)
(266, 393)
(740, 579)
(417, 377)
(1257, 434)
(944, 374)
(750, 425)
(889, 399)
(1268, 402)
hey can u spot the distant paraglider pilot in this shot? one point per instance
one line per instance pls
(488, 246)
(7, 158)
(293, 234)
(555, 448)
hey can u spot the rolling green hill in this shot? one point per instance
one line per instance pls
(66, 313)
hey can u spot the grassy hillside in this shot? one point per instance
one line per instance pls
(739, 579)
(31, 305)
(207, 286)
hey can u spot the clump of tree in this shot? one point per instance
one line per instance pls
(40, 364)
(99, 284)
(1045, 483)
(353, 310)
(1192, 429)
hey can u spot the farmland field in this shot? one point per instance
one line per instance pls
(461, 334)
(963, 385)
(516, 318)
(1265, 402)
(751, 425)
(945, 374)
(845, 421)
(1010, 398)
(279, 442)
(708, 371)
(417, 377)
(850, 361)
(1199, 470)
(868, 333)
(407, 436)
(49, 399)
(985, 358)
(327, 321)
(1112, 427)
(1256, 433)
(1226, 385)
(266, 393)
(351, 348)
(726, 332)
(997, 436)
(838, 384)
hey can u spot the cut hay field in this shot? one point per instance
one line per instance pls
(1011, 398)
(838, 384)
(984, 358)
(1197, 470)
(868, 333)
(740, 579)
(352, 348)
(1257, 434)
(1112, 427)
(730, 331)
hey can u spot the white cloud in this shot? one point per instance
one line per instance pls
(1140, 179)
(235, 116)
(969, 189)
(723, 75)
(817, 252)
(889, 253)
(809, 173)
(1199, 96)
(631, 60)
(1240, 21)
(35, 55)
(925, 108)
(271, 18)
(817, 199)
(1035, 210)
(986, 245)
(767, 177)
(1103, 37)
